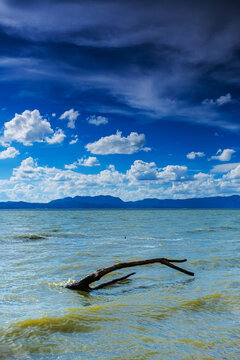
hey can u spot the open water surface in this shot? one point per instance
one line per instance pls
(158, 313)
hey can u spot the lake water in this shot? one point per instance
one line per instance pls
(158, 313)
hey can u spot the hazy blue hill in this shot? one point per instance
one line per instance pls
(20, 205)
(110, 202)
(88, 202)
(231, 202)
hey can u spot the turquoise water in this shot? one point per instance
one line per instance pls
(157, 314)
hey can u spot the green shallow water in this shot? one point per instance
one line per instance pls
(157, 314)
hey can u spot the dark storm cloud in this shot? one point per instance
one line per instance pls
(160, 58)
(201, 30)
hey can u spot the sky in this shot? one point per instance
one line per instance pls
(134, 99)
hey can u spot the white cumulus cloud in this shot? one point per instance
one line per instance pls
(9, 153)
(148, 171)
(74, 140)
(28, 170)
(173, 173)
(223, 155)
(222, 100)
(70, 166)
(26, 128)
(141, 170)
(97, 120)
(88, 162)
(192, 155)
(234, 174)
(118, 144)
(57, 137)
(70, 115)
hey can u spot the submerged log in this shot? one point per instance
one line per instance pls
(84, 284)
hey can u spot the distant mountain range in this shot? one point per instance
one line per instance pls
(110, 202)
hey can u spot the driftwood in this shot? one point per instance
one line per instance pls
(83, 285)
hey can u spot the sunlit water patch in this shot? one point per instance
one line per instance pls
(157, 314)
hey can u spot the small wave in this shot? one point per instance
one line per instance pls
(226, 228)
(199, 343)
(210, 229)
(171, 239)
(69, 234)
(216, 302)
(149, 246)
(145, 238)
(193, 231)
(79, 320)
(45, 326)
(216, 262)
(34, 334)
(40, 236)
(61, 283)
(71, 266)
(13, 297)
(12, 351)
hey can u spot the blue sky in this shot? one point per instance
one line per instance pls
(133, 99)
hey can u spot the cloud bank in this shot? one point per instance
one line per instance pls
(32, 182)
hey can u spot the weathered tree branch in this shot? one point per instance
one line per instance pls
(113, 281)
(83, 284)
